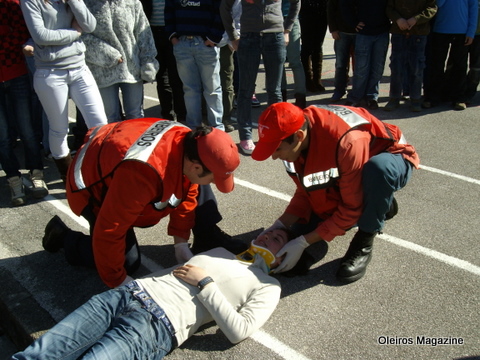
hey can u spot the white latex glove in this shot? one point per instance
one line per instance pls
(126, 281)
(276, 225)
(294, 249)
(182, 252)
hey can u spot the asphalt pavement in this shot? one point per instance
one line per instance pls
(419, 299)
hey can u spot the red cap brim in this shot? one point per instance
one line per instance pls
(263, 150)
(224, 184)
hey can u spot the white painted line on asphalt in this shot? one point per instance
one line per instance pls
(447, 259)
(446, 173)
(64, 208)
(277, 346)
(262, 189)
(150, 98)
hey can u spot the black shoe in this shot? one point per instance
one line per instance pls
(302, 266)
(372, 104)
(301, 101)
(310, 86)
(393, 210)
(354, 264)
(215, 237)
(320, 87)
(54, 234)
(229, 128)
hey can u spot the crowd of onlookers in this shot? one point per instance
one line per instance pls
(204, 56)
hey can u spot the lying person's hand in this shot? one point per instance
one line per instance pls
(191, 274)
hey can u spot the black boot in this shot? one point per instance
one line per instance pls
(307, 68)
(55, 232)
(215, 237)
(317, 66)
(301, 101)
(359, 253)
(284, 95)
(62, 166)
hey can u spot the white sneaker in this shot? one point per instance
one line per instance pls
(39, 188)
(247, 146)
(18, 190)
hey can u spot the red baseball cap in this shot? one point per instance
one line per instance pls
(220, 155)
(276, 123)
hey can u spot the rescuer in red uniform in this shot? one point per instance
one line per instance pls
(347, 165)
(132, 174)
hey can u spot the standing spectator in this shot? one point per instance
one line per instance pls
(371, 23)
(56, 27)
(195, 29)
(343, 46)
(227, 69)
(15, 94)
(473, 76)
(294, 48)
(169, 85)
(262, 35)
(453, 31)
(121, 55)
(313, 22)
(410, 27)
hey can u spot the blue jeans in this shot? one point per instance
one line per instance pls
(370, 56)
(132, 96)
(110, 326)
(15, 95)
(382, 175)
(343, 48)
(252, 46)
(407, 59)
(39, 118)
(294, 60)
(199, 68)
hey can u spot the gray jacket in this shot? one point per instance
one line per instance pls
(259, 16)
(57, 43)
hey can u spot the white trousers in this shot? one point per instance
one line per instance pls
(54, 87)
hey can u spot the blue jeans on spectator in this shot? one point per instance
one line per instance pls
(370, 56)
(382, 175)
(15, 94)
(294, 60)
(343, 49)
(199, 69)
(253, 46)
(132, 96)
(111, 326)
(39, 118)
(407, 59)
